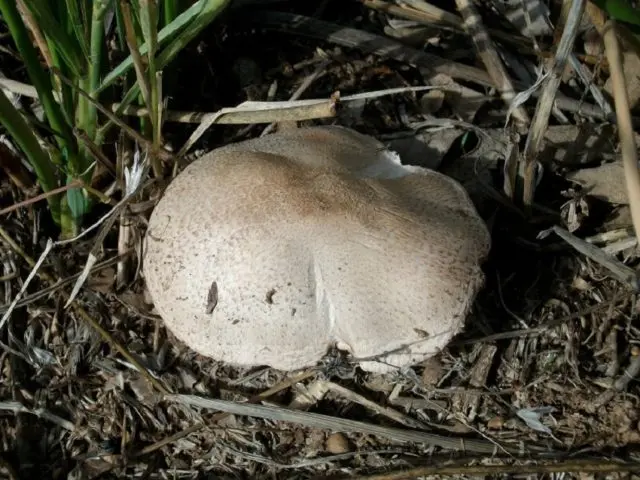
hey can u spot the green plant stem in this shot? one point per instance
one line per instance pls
(87, 112)
(194, 19)
(95, 63)
(149, 23)
(170, 11)
(205, 10)
(41, 81)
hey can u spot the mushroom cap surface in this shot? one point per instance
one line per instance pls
(269, 251)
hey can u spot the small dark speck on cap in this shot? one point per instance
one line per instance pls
(212, 298)
(269, 297)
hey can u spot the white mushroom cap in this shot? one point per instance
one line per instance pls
(269, 251)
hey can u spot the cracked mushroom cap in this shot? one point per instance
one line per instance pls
(271, 250)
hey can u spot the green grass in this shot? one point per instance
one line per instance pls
(67, 38)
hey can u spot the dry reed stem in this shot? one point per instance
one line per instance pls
(546, 102)
(625, 127)
(42, 196)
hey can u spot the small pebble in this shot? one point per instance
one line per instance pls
(337, 443)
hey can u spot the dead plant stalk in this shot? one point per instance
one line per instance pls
(625, 127)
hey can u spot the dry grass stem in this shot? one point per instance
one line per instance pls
(309, 79)
(63, 283)
(546, 102)
(132, 43)
(586, 466)
(287, 383)
(40, 197)
(17, 407)
(327, 422)
(623, 273)
(287, 111)
(373, 406)
(148, 145)
(264, 112)
(33, 27)
(625, 127)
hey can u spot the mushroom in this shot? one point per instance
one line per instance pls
(272, 250)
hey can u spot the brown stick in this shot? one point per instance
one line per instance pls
(625, 127)
(586, 466)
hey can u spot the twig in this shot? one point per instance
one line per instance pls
(546, 102)
(587, 78)
(486, 50)
(326, 422)
(621, 382)
(586, 466)
(625, 128)
(623, 273)
(535, 330)
(373, 406)
(42, 196)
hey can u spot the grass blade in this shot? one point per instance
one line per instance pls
(21, 132)
(620, 10)
(169, 11)
(60, 39)
(40, 79)
(76, 23)
(198, 9)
